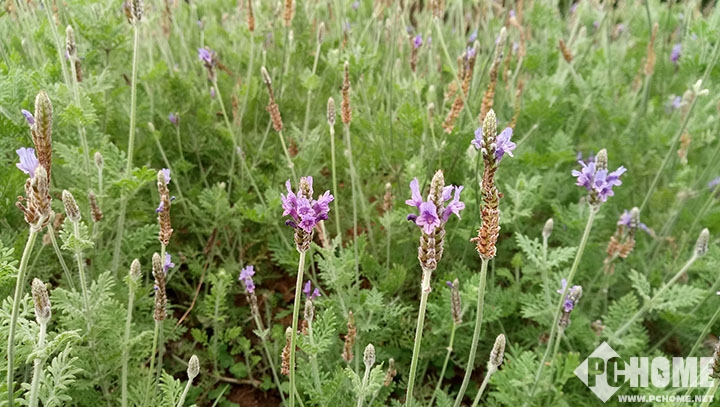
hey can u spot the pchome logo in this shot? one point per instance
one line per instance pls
(604, 372)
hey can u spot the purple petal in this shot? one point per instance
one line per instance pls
(28, 161)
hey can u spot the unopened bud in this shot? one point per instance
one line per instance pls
(135, 272)
(193, 367)
(601, 160)
(331, 112)
(265, 76)
(548, 228)
(497, 354)
(99, 160)
(701, 247)
(42, 301)
(369, 356)
(71, 208)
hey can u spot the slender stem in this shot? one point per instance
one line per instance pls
(232, 136)
(287, 156)
(476, 333)
(353, 188)
(263, 339)
(313, 359)
(150, 387)
(704, 332)
(37, 369)
(293, 336)
(484, 384)
(366, 377)
(126, 340)
(544, 271)
(133, 99)
(306, 123)
(335, 184)
(710, 394)
(445, 363)
(19, 285)
(131, 146)
(179, 141)
(424, 292)
(58, 44)
(649, 304)
(60, 257)
(81, 270)
(559, 307)
(181, 402)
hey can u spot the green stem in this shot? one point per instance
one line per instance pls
(287, 156)
(293, 335)
(335, 184)
(150, 387)
(353, 188)
(263, 339)
(19, 285)
(231, 174)
(58, 44)
(484, 384)
(60, 257)
(313, 359)
(445, 363)
(650, 303)
(37, 369)
(131, 147)
(126, 340)
(476, 332)
(424, 292)
(181, 402)
(81, 270)
(559, 307)
(710, 394)
(366, 377)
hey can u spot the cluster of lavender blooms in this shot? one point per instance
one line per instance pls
(429, 218)
(305, 211)
(309, 292)
(503, 145)
(675, 53)
(594, 176)
(209, 59)
(417, 41)
(246, 275)
(626, 219)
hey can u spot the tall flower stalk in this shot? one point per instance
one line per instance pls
(433, 214)
(245, 277)
(493, 148)
(496, 359)
(135, 14)
(132, 282)
(42, 316)
(598, 181)
(35, 207)
(305, 213)
(456, 311)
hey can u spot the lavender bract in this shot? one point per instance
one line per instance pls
(28, 161)
(246, 275)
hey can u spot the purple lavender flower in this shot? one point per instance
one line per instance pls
(160, 207)
(569, 304)
(473, 37)
(212, 92)
(355, 5)
(429, 40)
(417, 42)
(428, 217)
(449, 284)
(626, 220)
(246, 278)
(675, 53)
(573, 8)
(714, 183)
(470, 52)
(309, 292)
(166, 174)
(305, 212)
(28, 161)
(598, 181)
(29, 117)
(676, 102)
(168, 263)
(503, 143)
(206, 55)
(512, 13)
(174, 118)
(596, 24)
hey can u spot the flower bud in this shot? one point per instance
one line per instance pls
(497, 354)
(193, 367)
(548, 228)
(701, 247)
(71, 208)
(369, 356)
(42, 301)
